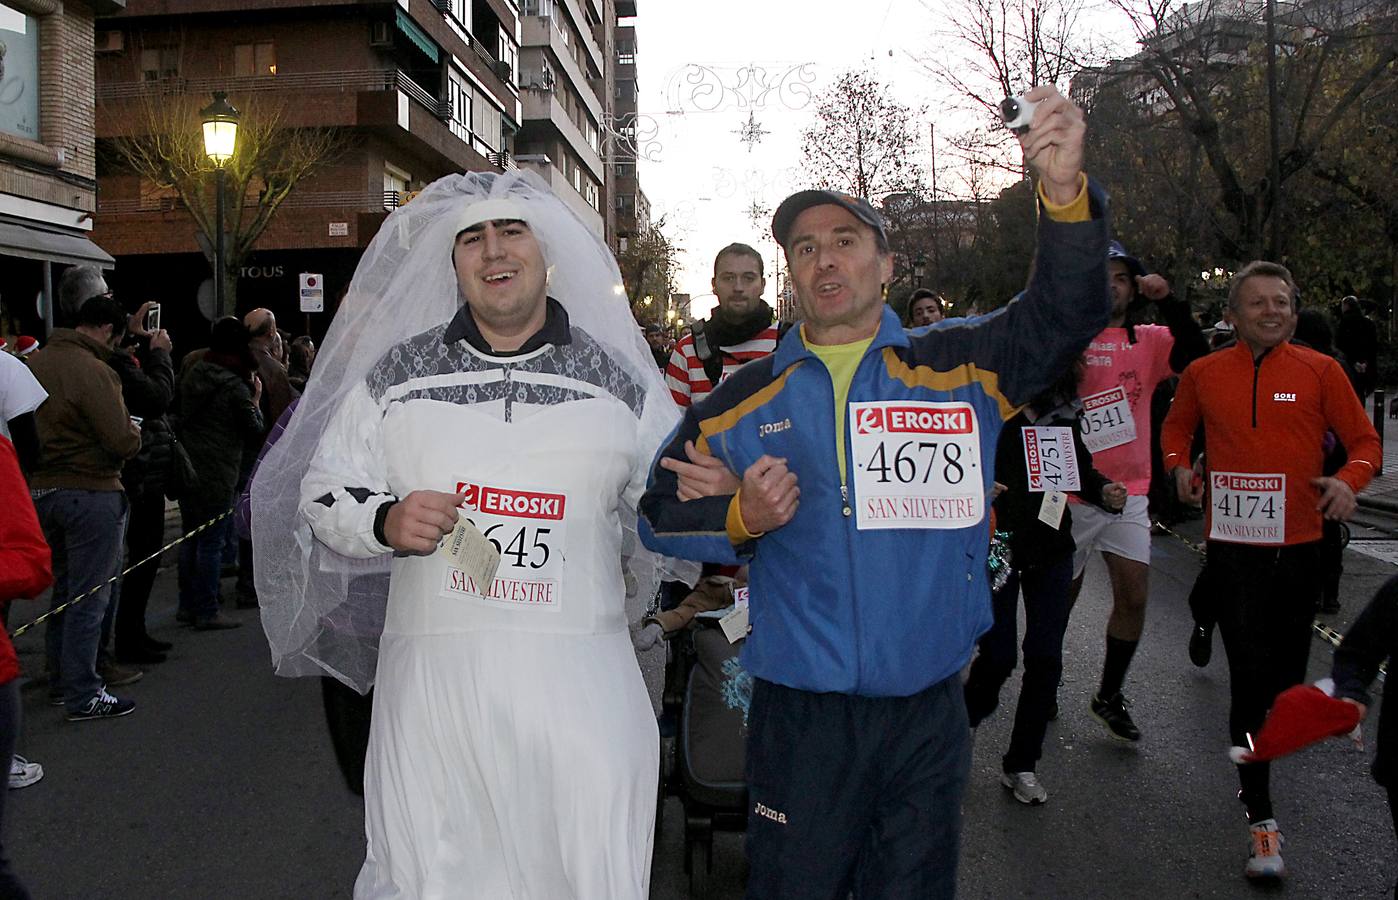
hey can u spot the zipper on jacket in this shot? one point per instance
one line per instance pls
(1256, 376)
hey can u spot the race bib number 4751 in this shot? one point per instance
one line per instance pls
(527, 528)
(916, 465)
(1051, 459)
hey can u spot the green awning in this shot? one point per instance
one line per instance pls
(419, 37)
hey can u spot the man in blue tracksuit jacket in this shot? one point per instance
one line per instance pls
(865, 455)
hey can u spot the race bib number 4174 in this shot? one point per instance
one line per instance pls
(916, 465)
(1247, 508)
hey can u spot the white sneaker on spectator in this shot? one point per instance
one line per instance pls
(23, 773)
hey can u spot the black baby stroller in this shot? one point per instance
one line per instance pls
(703, 739)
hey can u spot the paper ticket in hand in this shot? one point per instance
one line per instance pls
(471, 552)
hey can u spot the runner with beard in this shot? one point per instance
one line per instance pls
(742, 328)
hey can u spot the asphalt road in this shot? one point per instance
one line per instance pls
(222, 784)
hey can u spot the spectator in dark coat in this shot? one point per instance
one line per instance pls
(1313, 331)
(269, 354)
(1358, 340)
(303, 357)
(219, 399)
(148, 387)
(1373, 638)
(86, 436)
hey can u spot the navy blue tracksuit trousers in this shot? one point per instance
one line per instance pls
(858, 794)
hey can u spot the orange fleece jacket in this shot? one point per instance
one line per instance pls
(1271, 418)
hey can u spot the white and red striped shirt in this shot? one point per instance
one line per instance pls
(685, 374)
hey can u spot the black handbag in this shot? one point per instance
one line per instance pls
(182, 476)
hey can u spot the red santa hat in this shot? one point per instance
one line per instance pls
(1300, 716)
(25, 345)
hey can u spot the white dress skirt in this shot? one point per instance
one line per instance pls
(514, 753)
(509, 765)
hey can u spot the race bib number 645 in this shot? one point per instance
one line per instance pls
(916, 465)
(527, 529)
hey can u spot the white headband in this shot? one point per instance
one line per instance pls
(492, 210)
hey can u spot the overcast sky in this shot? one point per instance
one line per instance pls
(698, 172)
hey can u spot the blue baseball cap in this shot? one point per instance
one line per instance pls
(1116, 251)
(801, 201)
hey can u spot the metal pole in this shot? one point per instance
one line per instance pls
(48, 299)
(1378, 424)
(1274, 249)
(218, 249)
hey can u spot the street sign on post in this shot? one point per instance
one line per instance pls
(312, 293)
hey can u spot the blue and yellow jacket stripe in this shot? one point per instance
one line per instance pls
(876, 612)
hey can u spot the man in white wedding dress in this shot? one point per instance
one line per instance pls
(513, 751)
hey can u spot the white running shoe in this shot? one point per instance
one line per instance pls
(1025, 786)
(23, 773)
(1264, 855)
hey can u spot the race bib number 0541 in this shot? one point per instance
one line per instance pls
(527, 528)
(1246, 508)
(917, 465)
(1107, 421)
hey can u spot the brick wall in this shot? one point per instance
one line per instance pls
(65, 114)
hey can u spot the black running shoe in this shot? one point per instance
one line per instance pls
(1112, 713)
(1201, 644)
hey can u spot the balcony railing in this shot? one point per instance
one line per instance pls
(353, 81)
(360, 201)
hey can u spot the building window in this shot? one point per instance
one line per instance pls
(19, 65)
(461, 11)
(590, 193)
(537, 7)
(254, 59)
(486, 127)
(626, 58)
(395, 186)
(459, 92)
(160, 62)
(509, 52)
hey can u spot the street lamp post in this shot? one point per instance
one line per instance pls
(919, 269)
(220, 137)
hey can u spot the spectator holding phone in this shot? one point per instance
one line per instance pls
(148, 387)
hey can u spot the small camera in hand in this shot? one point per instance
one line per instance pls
(1017, 113)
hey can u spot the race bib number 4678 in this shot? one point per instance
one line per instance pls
(527, 528)
(916, 465)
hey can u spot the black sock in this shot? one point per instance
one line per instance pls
(1114, 668)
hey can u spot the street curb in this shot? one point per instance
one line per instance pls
(1382, 504)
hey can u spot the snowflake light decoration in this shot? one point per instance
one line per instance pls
(751, 132)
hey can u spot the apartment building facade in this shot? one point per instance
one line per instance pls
(630, 206)
(565, 76)
(48, 186)
(416, 88)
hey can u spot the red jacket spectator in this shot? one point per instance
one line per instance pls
(25, 565)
